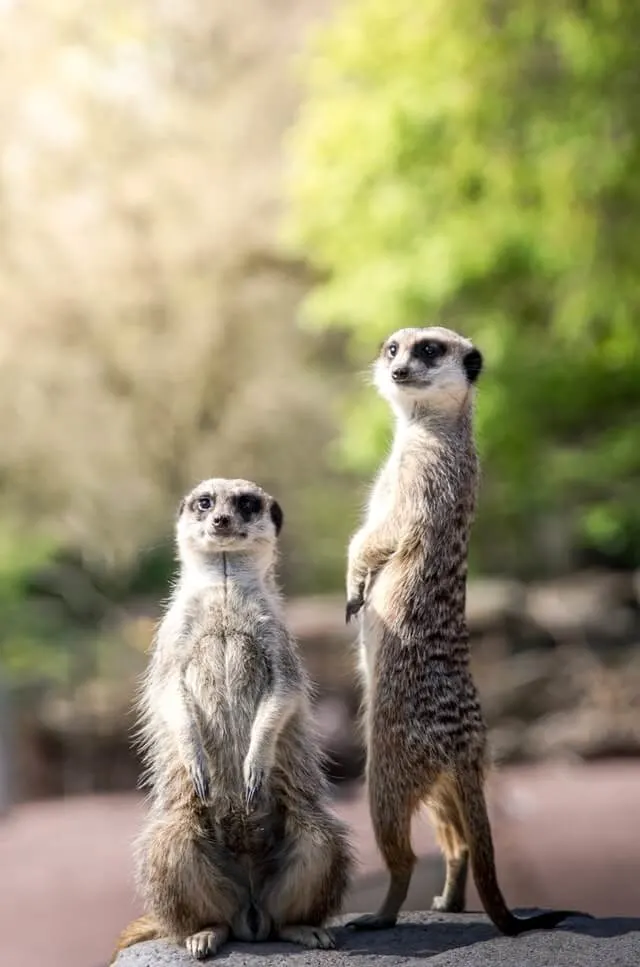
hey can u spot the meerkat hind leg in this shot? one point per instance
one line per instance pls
(450, 834)
(311, 886)
(207, 942)
(392, 806)
(189, 885)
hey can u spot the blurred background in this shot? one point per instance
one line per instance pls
(209, 219)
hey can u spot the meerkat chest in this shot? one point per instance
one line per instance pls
(231, 668)
(383, 496)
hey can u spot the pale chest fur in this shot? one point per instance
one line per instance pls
(221, 660)
(384, 493)
(383, 499)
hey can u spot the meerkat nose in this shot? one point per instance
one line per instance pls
(221, 521)
(399, 373)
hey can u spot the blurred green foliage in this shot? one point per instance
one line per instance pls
(31, 631)
(476, 164)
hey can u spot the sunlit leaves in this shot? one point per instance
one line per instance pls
(477, 163)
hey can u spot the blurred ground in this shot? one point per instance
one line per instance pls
(565, 836)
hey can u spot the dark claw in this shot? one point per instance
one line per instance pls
(200, 783)
(353, 607)
(200, 778)
(254, 786)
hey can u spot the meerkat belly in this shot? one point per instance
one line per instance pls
(416, 654)
(228, 690)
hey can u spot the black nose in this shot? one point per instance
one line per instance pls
(222, 521)
(399, 373)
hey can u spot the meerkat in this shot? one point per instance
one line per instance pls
(240, 839)
(407, 571)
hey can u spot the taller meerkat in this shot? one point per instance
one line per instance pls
(425, 734)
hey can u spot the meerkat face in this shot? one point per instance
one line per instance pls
(434, 368)
(227, 515)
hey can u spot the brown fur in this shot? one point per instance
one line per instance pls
(144, 928)
(240, 839)
(425, 734)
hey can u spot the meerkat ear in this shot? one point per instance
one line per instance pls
(181, 507)
(277, 516)
(472, 362)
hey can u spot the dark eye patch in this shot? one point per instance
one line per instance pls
(248, 505)
(429, 350)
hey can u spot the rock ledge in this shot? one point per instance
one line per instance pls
(464, 940)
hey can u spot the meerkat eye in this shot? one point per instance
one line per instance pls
(204, 503)
(249, 505)
(392, 349)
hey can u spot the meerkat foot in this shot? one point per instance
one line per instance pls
(206, 942)
(373, 921)
(315, 938)
(444, 904)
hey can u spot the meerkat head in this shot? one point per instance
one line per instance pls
(431, 370)
(227, 516)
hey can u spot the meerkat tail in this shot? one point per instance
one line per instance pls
(473, 810)
(144, 928)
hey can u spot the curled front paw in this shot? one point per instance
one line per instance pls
(254, 779)
(200, 778)
(354, 603)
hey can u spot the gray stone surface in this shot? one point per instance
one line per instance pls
(465, 940)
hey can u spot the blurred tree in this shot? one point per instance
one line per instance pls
(476, 164)
(148, 331)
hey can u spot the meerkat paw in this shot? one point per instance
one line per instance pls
(355, 601)
(200, 778)
(315, 938)
(443, 904)
(372, 921)
(255, 775)
(206, 942)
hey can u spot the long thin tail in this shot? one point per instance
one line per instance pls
(144, 928)
(473, 812)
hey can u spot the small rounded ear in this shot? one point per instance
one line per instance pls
(181, 507)
(277, 516)
(472, 362)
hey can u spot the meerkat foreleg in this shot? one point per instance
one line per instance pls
(369, 550)
(274, 712)
(180, 715)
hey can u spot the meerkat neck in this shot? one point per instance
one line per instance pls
(440, 424)
(226, 567)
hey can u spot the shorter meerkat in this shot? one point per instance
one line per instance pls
(425, 734)
(240, 839)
